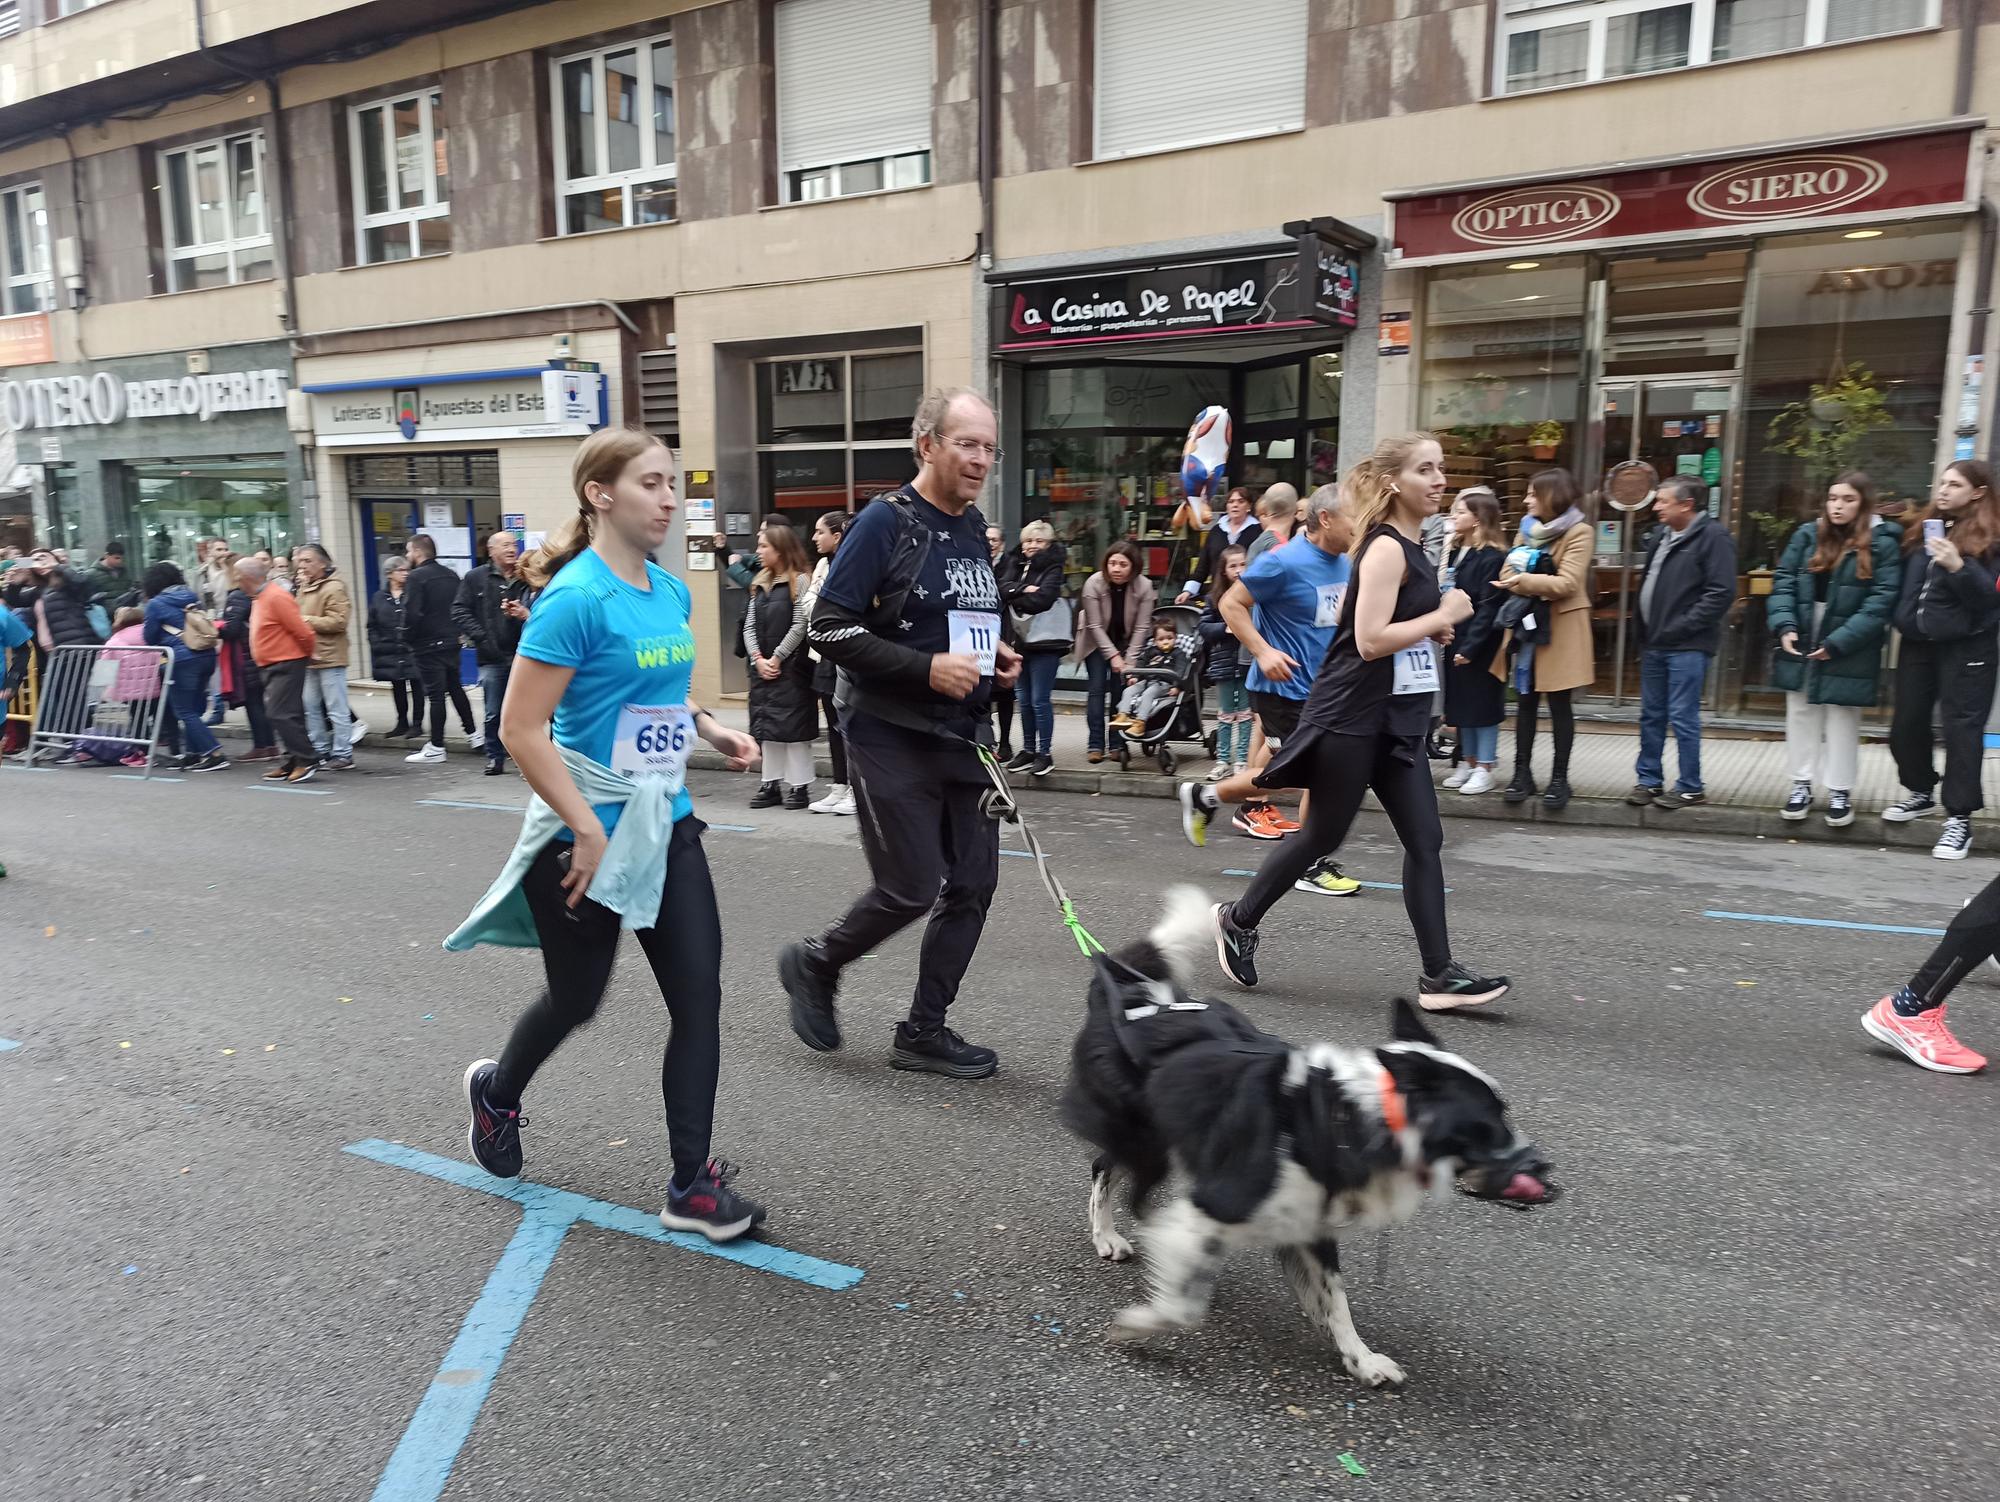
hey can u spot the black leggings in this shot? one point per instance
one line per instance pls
(1342, 769)
(684, 947)
(440, 677)
(1562, 719)
(1969, 939)
(836, 743)
(409, 701)
(1003, 715)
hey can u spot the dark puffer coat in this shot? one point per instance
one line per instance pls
(389, 655)
(782, 708)
(1854, 628)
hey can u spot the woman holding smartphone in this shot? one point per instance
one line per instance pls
(1363, 726)
(1950, 619)
(1831, 600)
(599, 721)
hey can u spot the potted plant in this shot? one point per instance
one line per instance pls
(1545, 438)
(1835, 425)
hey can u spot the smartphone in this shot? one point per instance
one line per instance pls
(1934, 529)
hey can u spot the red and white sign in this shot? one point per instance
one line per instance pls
(1901, 176)
(25, 340)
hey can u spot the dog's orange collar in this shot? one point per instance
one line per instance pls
(1395, 1115)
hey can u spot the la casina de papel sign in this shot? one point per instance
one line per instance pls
(102, 399)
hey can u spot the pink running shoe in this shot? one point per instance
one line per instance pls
(1923, 1039)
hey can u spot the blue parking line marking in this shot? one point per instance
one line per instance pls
(498, 808)
(7, 1045)
(420, 1467)
(273, 787)
(1863, 928)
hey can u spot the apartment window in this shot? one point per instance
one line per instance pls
(1547, 43)
(615, 136)
(836, 134)
(1246, 63)
(214, 217)
(70, 7)
(29, 288)
(10, 17)
(402, 177)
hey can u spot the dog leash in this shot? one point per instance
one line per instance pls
(1002, 805)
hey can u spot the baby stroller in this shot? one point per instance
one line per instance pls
(1180, 718)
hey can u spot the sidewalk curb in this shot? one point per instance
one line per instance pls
(1868, 831)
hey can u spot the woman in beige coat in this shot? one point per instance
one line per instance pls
(1553, 669)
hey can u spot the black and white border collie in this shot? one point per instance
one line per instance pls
(1275, 1145)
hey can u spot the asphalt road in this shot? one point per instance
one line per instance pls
(1772, 1277)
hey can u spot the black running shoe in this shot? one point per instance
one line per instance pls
(1236, 948)
(1459, 987)
(1020, 761)
(710, 1207)
(812, 989)
(494, 1135)
(939, 1050)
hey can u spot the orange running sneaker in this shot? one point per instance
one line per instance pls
(1923, 1039)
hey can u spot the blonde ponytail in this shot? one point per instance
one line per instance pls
(602, 458)
(1368, 490)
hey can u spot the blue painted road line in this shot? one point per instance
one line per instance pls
(276, 787)
(498, 808)
(7, 1045)
(757, 1254)
(1863, 928)
(142, 777)
(736, 828)
(421, 1465)
(1026, 855)
(1373, 886)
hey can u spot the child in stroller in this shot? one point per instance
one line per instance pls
(1154, 685)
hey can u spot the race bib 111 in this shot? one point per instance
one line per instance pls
(976, 634)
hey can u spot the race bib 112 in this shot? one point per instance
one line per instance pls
(1417, 669)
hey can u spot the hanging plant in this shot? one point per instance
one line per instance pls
(1835, 425)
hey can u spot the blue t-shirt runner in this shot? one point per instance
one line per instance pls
(632, 655)
(1297, 589)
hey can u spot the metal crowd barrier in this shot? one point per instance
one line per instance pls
(111, 698)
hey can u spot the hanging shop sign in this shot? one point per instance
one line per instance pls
(1312, 287)
(567, 402)
(1809, 187)
(101, 398)
(25, 339)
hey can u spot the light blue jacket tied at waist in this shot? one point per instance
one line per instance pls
(630, 878)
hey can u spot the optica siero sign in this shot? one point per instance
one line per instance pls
(1894, 178)
(101, 398)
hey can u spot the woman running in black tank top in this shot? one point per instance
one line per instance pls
(1363, 726)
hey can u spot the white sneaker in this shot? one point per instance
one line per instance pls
(356, 730)
(846, 804)
(1481, 781)
(1220, 771)
(476, 739)
(825, 805)
(1458, 778)
(1955, 843)
(429, 753)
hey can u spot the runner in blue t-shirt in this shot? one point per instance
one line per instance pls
(1285, 611)
(602, 673)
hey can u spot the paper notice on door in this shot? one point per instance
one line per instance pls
(437, 514)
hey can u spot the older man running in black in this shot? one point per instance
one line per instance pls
(910, 612)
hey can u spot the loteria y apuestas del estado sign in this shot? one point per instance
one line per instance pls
(1900, 176)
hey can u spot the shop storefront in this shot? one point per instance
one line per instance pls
(424, 453)
(1760, 321)
(160, 451)
(1101, 372)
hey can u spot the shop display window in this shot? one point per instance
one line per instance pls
(175, 504)
(833, 430)
(1503, 350)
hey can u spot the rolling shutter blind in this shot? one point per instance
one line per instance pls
(854, 80)
(1179, 72)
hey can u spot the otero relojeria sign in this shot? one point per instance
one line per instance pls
(101, 399)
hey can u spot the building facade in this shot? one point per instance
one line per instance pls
(293, 270)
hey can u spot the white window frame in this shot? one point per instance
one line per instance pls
(407, 215)
(892, 167)
(43, 281)
(644, 175)
(232, 243)
(63, 9)
(1519, 17)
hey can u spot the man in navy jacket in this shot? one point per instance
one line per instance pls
(1687, 587)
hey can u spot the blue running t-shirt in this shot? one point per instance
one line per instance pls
(1297, 589)
(632, 652)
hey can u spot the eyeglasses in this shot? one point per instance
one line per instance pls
(971, 447)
